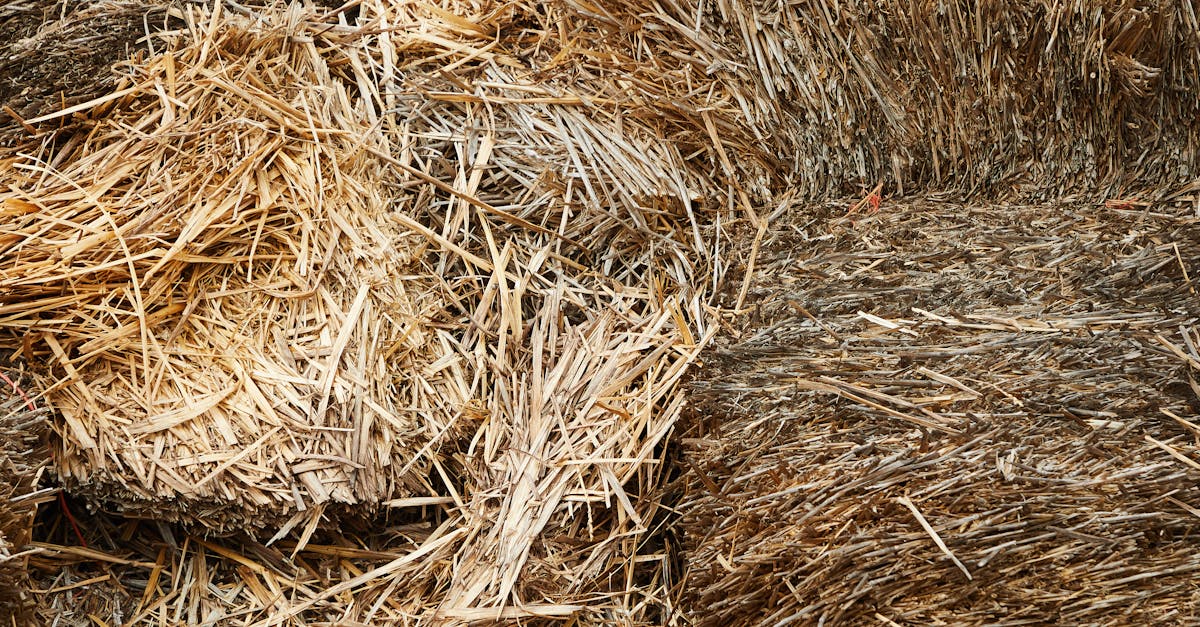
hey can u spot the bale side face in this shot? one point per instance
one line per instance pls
(954, 415)
(54, 56)
(211, 270)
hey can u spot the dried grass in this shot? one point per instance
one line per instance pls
(459, 270)
(444, 266)
(954, 415)
(212, 269)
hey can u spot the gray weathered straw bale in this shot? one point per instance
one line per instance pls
(954, 415)
(984, 98)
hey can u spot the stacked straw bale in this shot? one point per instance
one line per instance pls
(23, 457)
(1083, 98)
(954, 415)
(461, 254)
(333, 251)
(210, 265)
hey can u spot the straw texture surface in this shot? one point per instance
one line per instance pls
(23, 458)
(381, 313)
(973, 98)
(294, 268)
(211, 266)
(954, 415)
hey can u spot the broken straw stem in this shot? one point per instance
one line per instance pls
(904, 500)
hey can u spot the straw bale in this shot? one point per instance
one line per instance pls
(990, 99)
(212, 269)
(954, 415)
(548, 226)
(575, 206)
(457, 257)
(23, 457)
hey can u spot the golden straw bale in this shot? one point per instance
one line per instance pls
(553, 233)
(213, 272)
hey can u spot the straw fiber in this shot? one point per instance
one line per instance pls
(23, 458)
(425, 263)
(210, 266)
(954, 415)
(382, 313)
